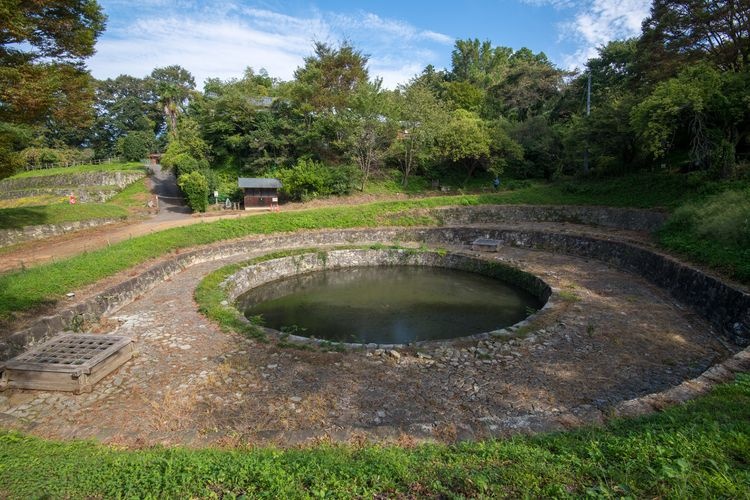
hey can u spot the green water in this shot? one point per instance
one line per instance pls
(388, 305)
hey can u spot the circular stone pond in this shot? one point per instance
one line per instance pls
(388, 305)
(386, 297)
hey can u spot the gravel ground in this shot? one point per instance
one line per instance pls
(610, 336)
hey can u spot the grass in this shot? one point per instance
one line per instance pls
(37, 210)
(701, 449)
(133, 197)
(390, 183)
(32, 201)
(697, 450)
(38, 286)
(714, 230)
(20, 217)
(80, 169)
(209, 295)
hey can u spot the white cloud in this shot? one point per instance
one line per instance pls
(391, 30)
(438, 37)
(222, 43)
(595, 23)
(207, 49)
(394, 73)
(558, 4)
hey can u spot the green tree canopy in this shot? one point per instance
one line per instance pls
(174, 86)
(683, 31)
(702, 110)
(43, 82)
(421, 117)
(466, 140)
(124, 104)
(330, 76)
(366, 132)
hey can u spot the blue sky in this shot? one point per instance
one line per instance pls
(221, 39)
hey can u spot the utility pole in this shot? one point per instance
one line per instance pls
(588, 112)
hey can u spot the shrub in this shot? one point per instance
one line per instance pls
(195, 187)
(40, 156)
(183, 164)
(308, 179)
(724, 217)
(186, 151)
(212, 177)
(343, 179)
(136, 145)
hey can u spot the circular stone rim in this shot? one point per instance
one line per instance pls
(320, 260)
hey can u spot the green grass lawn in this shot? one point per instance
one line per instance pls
(32, 201)
(697, 450)
(28, 213)
(133, 197)
(78, 169)
(20, 217)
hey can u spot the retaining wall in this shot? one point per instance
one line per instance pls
(12, 236)
(723, 305)
(631, 219)
(118, 179)
(82, 194)
(272, 270)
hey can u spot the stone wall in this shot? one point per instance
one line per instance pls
(725, 306)
(13, 236)
(631, 219)
(261, 273)
(82, 194)
(272, 270)
(118, 179)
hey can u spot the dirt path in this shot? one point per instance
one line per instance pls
(172, 204)
(172, 213)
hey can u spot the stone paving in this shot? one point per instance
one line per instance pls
(610, 337)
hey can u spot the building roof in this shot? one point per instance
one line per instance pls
(258, 182)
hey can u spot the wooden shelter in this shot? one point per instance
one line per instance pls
(260, 192)
(154, 158)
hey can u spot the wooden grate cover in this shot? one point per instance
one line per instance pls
(71, 362)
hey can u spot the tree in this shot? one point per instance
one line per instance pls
(540, 146)
(681, 31)
(529, 83)
(186, 151)
(432, 79)
(244, 124)
(195, 187)
(329, 77)
(173, 86)
(420, 116)
(136, 145)
(464, 95)
(615, 67)
(63, 31)
(466, 141)
(702, 110)
(42, 78)
(477, 63)
(124, 104)
(367, 131)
